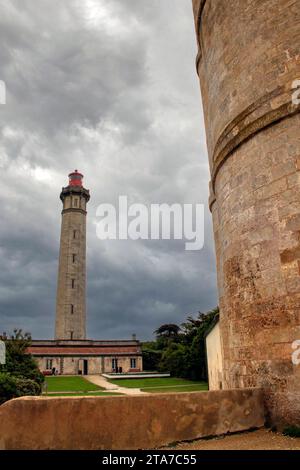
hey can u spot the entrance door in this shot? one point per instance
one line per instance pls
(85, 367)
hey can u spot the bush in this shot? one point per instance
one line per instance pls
(8, 387)
(27, 387)
(292, 431)
(14, 387)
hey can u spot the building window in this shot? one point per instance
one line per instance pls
(49, 364)
(71, 334)
(74, 234)
(73, 283)
(114, 363)
(74, 258)
(75, 201)
(72, 309)
(132, 363)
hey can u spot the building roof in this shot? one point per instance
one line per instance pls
(84, 350)
(84, 342)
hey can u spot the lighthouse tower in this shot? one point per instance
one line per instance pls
(71, 289)
(248, 65)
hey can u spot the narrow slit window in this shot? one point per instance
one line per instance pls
(73, 283)
(74, 258)
(72, 309)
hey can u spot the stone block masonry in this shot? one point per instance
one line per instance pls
(249, 56)
(71, 287)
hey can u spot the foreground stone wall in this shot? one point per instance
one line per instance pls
(138, 422)
(248, 59)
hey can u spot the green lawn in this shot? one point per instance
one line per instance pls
(70, 384)
(82, 394)
(201, 387)
(163, 384)
(79, 386)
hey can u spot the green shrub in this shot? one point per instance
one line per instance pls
(27, 387)
(8, 387)
(14, 387)
(292, 431)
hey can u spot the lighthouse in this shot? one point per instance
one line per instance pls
(71, 287)
(70, 352)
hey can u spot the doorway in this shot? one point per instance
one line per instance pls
(85, 367)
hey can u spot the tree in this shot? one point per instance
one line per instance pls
(195, 330)
(175, 359)
(20, 370)
(151, 359)
(169, 330)
(182, 349)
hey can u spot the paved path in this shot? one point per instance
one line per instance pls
(262, 439)
(104, 383)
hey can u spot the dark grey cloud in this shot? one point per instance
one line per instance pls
(108, 87)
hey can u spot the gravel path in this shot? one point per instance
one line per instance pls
(263, 439)
(104, 383)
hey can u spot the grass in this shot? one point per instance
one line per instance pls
(79, 386)
(82, 394)
(201, 387)
(162, 384)
(70, 384)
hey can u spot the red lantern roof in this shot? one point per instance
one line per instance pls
(75, 178)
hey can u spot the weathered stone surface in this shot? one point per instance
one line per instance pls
(71, 286)
(249, 56)
(139, 422)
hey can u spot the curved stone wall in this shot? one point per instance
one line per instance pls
(249, 57)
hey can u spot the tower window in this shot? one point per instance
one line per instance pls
(72, 309)
(74, 234)
(75, 201)
(74, 258)
(73, 283)
(71, 334)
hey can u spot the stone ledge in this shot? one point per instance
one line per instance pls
(250, 122)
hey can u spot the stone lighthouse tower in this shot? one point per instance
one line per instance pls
(71, 289)
(248, 61)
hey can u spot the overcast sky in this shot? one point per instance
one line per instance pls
(108, 87)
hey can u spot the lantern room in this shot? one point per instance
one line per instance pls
(75, 178)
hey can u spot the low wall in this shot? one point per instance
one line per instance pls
(137, 422)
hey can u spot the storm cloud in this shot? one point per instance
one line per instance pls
(108, 87)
